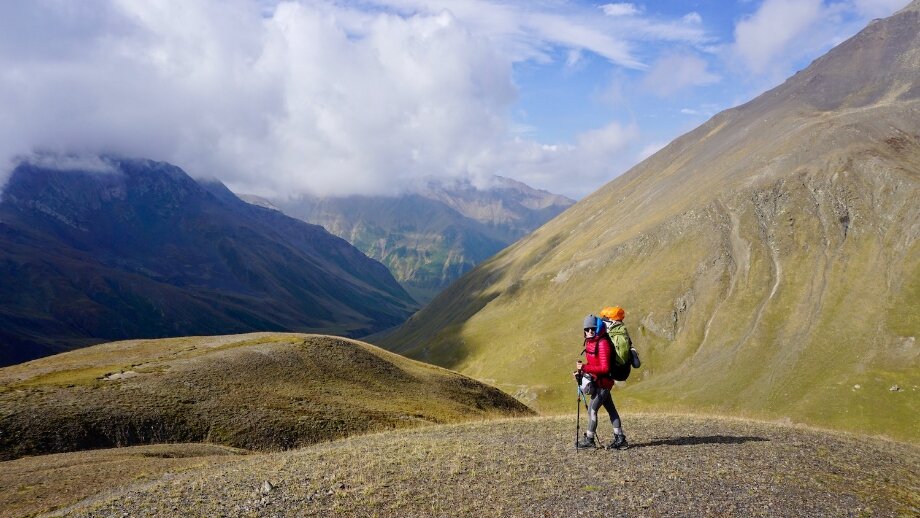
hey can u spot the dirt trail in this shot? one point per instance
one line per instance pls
(677, 466)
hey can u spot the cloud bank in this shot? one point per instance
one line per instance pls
(290, 97)
(781, 32)
(336, 97)
(620, 9)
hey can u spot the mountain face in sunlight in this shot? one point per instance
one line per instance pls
(768, 260)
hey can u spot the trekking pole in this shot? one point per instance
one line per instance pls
(578, 419)
(584, 399)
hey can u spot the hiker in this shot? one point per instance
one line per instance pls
(598, 355)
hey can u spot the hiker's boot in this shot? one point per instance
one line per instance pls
(619, 442)
(586, 443)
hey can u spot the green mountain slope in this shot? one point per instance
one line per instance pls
(256, 391)
(768, 260)
(430, 237)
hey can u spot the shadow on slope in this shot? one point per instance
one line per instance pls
(691, 441)
(258, 391)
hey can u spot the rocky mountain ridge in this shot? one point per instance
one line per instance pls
(143, 250)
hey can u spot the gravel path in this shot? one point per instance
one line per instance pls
(677, 466)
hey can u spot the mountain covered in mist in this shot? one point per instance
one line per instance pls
(768, 260)
(432, 235)
(143, 251)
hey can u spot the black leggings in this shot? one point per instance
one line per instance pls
(602, 397)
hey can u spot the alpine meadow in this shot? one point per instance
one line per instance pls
(768, 261)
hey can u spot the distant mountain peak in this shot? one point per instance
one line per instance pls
(431, 235)
(134, 248)
(497, 201)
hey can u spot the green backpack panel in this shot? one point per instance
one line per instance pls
(621, 365)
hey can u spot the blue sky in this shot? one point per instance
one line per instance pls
(365, 96)
(560, 98)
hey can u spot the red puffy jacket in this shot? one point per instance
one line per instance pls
(598, 358)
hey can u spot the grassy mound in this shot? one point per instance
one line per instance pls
(678, 465)
(256, 391)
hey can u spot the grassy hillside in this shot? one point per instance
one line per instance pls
(677, 466)
(256, 391)
(768, 261)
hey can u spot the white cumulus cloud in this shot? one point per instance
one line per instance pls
(693, 17)
(770, 34)
(620, 9)
(879, 8)
(305, 96)
(306, 99)
(595, 157)
(783, 36)
(674, 72)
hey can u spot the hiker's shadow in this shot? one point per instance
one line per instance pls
(690, 441)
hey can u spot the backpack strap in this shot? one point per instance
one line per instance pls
(596, 345)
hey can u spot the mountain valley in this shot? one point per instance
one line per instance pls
(432, 235)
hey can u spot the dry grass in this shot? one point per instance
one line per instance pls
(33, 485)
(678, 466)
(259, 391)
